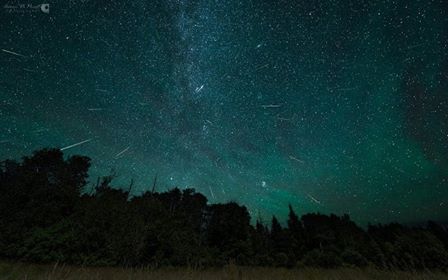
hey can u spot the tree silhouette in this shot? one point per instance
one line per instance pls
(48, 215)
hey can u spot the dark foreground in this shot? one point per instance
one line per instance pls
(61, 272)
(49, 214)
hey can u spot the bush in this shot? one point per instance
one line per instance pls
(320, 258)
(353, 258)
(280, 259)
(56, 243)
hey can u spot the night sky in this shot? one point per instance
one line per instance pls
(332, 106)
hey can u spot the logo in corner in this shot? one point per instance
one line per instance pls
(27, 8)
(45, 8)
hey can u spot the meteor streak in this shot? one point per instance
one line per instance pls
(271, 106)
(13, 53)
(75, 145)
(296, 159)
(313, 199)
(211, 192)
(122, 152)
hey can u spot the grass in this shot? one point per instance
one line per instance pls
(231, 272)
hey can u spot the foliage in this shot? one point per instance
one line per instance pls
(46, 217)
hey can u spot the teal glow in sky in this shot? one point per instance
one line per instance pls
(332, 106)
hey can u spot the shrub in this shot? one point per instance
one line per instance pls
(320, 258)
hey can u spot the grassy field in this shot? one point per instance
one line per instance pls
(28, 271)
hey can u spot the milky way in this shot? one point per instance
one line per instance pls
(331, 106)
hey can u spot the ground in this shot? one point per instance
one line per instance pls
(58, 271)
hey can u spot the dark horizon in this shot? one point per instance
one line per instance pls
(45, 217)
(90, 184)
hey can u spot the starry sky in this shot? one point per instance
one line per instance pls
(332, 106)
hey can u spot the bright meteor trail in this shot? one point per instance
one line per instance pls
(76, 144)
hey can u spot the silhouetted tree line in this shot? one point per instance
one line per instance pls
(47, 215)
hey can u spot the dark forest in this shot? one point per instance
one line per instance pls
(50, 213)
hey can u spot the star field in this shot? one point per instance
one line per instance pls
(332, 106)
